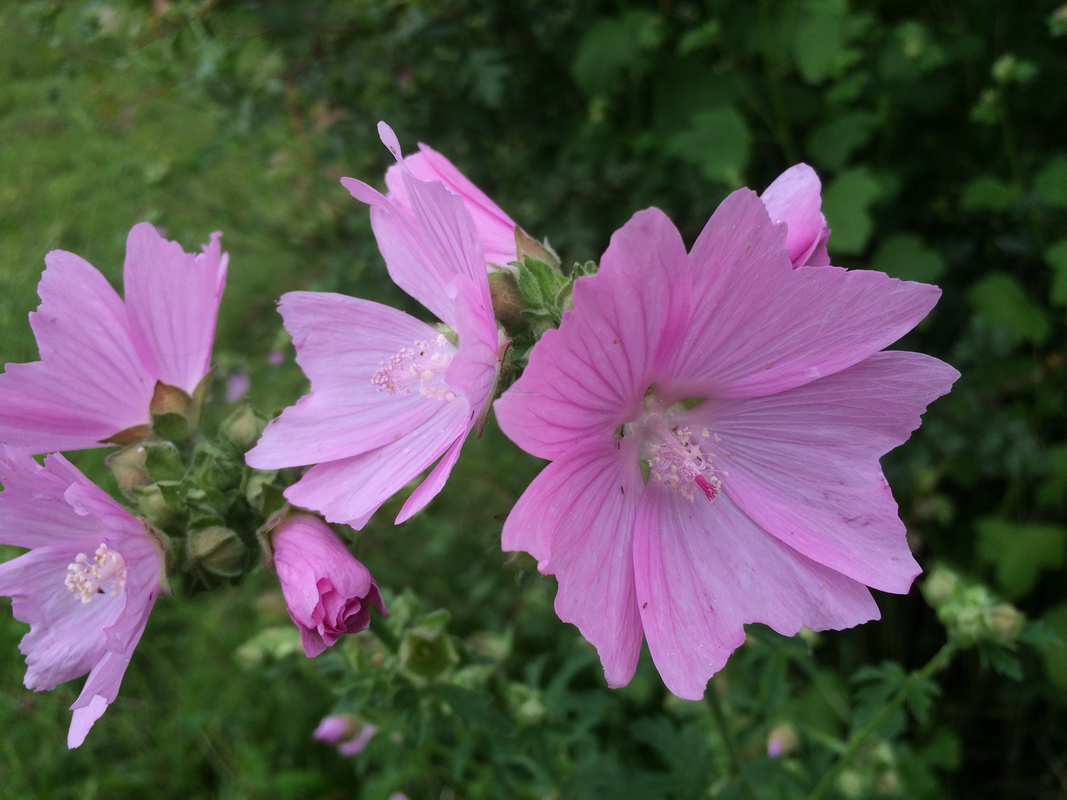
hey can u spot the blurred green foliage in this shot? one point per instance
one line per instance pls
(938, 132)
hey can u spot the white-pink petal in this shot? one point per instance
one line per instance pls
(591, 375)
(173, 302)
(803, 464)
(703, 570)
(576, 519)
(758, 326)
(795, 198)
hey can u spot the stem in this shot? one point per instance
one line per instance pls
(858, 738)
(733, 755)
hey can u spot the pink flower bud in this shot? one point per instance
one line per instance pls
(326, 590)
(332, 729)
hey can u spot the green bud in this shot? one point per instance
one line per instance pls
(243, 427)
(541, 251)
(128, 467)
(940, 584)
(1007, 621)
(427, 654)
(154, 505)
(215, 552)
(508, 302)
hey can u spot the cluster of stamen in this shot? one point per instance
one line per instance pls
(104, 573)
(424, 364)
(682, 460)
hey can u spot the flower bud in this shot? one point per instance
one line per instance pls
(334, 728)
(1007, 621)
(327, 591)
(128, 467)
(427, 653)
(215, 552)
(243, 426)
(782, 740)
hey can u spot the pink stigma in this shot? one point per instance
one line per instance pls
(709, 490)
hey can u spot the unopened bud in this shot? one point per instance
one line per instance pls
(427, 654)
(215, 552)
(1007, 621)
(128, 467)
(508, 302)
(940, 585)
(782, 740)
(243, 427)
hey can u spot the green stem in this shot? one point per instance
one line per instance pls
(381, 630)
(733, 755)
(860, 736)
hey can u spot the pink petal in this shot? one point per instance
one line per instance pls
(434, 482)
(803, 464)
(795, 198)
(66, 637)
(83, 720)
(341, 342)
(89, 384)
(704, 570)
(589, 377)
(576, 519)
(173, 302)
(33, 508)
(495, 228)
(350, 490)
(758, 326)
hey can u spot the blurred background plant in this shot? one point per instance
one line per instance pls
(938, 132)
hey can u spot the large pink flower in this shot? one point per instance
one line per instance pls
(390, 394)
(327, 591)
(795, 198)
(495, 228)
(101, 358)
(87, 585)
(754, 397)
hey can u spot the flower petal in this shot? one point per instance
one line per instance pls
(576, 519)
(803, 464)
(589, 377)
(350, 490)
(795, 198)
(173, 301)
(34, 511)
(495, 228)
(341, 342)
(89, 383)
(770, 327)
(704, 570)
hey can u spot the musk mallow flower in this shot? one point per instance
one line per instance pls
(390, 394)
(327, 591)
(86, 586)
(102, 358)
(714, 422)
(795, 198)
(496, 230)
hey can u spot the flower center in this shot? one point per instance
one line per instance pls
(421, 367)
(104, 573)
(681, 458)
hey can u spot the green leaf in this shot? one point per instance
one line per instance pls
(172, 426)
(1050, 185)
(819, 42)
(833, 143)
(846, 203)
(1056, 257)
(614, 46)
(906, 257)
(529, 285)
(716, 142)
(475, 709)
(163, 462)
(989, 193)
(1020, 552)
(1000, 300)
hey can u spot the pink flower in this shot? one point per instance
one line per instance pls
(333, 728)
(326, 590)
(355, 745)
(795, 198)
(390, 395)
(86, 586)
(756, 400)
(495, 228)
(101, 358)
